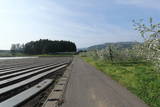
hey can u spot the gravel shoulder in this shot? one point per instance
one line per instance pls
(89, 87)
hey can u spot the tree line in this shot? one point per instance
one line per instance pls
(44, 46)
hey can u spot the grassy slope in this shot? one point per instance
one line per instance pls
(138, 77)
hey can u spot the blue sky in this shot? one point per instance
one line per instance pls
(85, 22)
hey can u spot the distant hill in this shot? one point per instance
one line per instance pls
(120, 45)
(81, 49)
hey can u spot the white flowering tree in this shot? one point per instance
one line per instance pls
(151, 47)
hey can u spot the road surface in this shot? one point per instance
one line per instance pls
(89, 87)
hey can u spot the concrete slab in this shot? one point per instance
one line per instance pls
(63, 79)
(66, 75)
(59, 87)
(51, 104)
(61, 82)
(55, 96)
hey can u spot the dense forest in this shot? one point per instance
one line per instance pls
(43, 46)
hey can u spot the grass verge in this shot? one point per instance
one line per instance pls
(54, 55)
(139, 77)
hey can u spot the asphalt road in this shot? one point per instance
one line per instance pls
(89, 87)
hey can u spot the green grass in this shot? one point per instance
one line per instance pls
(139, 77)
(41, 55)
(5, 54)
(54, 55)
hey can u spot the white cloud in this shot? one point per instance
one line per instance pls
(23, 22)
(141, 3)
(86, 35)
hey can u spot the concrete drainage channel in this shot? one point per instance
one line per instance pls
(56, 97)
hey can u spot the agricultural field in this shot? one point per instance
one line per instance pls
(28, 82)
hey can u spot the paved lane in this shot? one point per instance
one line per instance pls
(89, 87)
